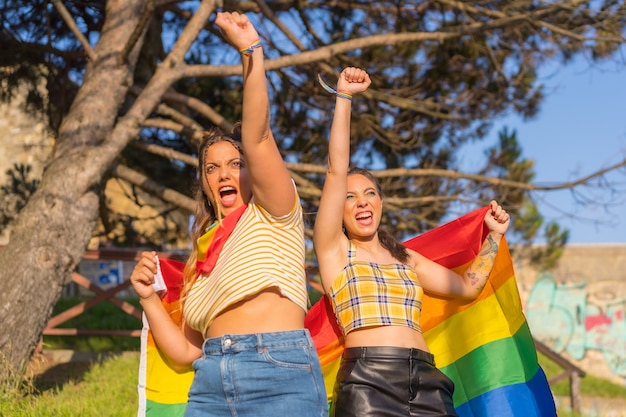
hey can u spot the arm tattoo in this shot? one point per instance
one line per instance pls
(488, 247)
(481, 267)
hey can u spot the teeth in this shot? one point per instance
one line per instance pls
(363, 216)
(227, 189)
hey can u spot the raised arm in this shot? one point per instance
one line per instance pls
(328, 236)
(271, 182)
(439, 280)
(181, 345)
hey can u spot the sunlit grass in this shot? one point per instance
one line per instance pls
(106, 389)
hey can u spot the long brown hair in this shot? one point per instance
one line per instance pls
(387, 241)
(206, 213)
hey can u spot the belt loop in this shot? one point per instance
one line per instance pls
(205, 348)
(259, 342)
(363, 352)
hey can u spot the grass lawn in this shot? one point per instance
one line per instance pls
(98, 389)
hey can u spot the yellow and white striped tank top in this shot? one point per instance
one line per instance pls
(262, 252)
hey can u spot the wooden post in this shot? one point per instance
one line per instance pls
(575, 399)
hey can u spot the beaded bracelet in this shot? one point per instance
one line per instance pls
(251, 48)
(331, 90)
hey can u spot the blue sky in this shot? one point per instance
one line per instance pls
(580, 128)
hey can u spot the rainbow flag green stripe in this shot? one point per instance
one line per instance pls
(492, 366)
(154, 408)
(483, 345)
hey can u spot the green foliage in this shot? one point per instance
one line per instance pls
(547, 257)
(92, 343)
(314, 296)
(506, 161)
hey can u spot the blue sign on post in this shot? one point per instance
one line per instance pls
(105, 274)
(110, 273)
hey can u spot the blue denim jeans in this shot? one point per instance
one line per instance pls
(258, 375)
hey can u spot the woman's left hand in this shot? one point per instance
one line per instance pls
(237, 29)
(497, 219)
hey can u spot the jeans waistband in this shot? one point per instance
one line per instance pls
(256, 341)
(388, 352)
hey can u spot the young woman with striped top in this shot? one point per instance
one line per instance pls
(245, 295)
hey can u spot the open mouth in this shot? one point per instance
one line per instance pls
(228, 196)
(364, 217)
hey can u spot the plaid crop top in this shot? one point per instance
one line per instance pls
(368, 294)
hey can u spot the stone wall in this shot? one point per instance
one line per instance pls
(24, 139)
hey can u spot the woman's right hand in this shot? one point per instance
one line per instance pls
(353, 81)
(142, 277)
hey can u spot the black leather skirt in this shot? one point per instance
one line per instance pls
(386, 381)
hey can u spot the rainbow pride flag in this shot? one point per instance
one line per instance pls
(483, 345)
(163, 391)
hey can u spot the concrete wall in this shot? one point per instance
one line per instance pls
(579, 308)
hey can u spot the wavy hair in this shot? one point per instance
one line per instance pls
(206, 213)
(387, 241)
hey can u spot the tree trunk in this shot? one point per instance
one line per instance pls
(51, 233)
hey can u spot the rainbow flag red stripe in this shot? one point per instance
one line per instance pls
(484, 345)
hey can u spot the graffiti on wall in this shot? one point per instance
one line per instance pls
(563, 317)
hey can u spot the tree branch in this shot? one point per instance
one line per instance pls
(145, 183)
(134, 37)
(190, 33)
(279, 24)
(168, 153)
(69, 21)
(405, 103)
(188, 122)
(202, 108)
(444, 173)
